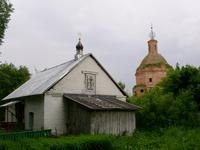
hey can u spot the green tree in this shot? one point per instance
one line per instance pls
(121, 85)
(11, 78)
(5, 12)
(161, 109)
(175, 101)
(186, 78)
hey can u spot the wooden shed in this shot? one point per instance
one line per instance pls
(99, 114)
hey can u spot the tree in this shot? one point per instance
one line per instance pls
(5, 12)
(175, 101)
(121, 85)
(163, 109)
(11, 78)
(186, 78)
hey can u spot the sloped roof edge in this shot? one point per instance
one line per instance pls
(101, 102)
(62, 73)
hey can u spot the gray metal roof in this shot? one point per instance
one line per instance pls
(100, 102)
(39, 83)
(42, 81)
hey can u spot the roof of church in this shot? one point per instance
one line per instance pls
(155, 59)
(100, 102)
(41, 82)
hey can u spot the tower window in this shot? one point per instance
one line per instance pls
(141, 90)
(150, 79)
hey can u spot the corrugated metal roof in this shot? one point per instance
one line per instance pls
(43, 80)
(100, 102)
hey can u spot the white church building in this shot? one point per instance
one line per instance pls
(78, 96)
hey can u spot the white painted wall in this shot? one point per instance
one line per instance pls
(34, 104)
(55, 113)
(74, 81)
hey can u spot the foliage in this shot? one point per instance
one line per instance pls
(156, 65)
(11, 78)
(174, 101)
(172, 138)
(163, 109)
(186, 78)
(5, 11)
(87, 142)
(121, 85)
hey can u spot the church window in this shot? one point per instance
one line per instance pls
(150, 79)
(90, 82)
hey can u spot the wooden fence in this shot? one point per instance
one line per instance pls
(25, 134)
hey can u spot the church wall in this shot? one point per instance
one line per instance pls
(55, 113)
(34, 104)
(155, 74)
(149, 77)
(74, 82)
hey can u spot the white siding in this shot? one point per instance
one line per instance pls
(74, 82)
(36, 105)
(54, 113)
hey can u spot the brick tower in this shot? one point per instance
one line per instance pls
(152, 68)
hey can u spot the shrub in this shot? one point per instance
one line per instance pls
(161, 109)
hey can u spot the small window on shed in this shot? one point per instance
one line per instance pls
(150, 79)
(141, 90)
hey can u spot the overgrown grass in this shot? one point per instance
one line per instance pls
(84, 142)
(173, 138)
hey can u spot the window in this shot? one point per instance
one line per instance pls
(150, 79)
(90, 82)
(141, 90)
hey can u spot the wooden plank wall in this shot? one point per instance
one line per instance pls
(113, 122)
(78, 119)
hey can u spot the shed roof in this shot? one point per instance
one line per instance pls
(100, 102)
(44, 80)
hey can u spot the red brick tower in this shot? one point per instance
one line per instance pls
(152, 68)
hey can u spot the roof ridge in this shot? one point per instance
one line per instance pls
(56, 65)
(61, 64)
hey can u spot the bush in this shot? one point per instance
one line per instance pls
(161, 109)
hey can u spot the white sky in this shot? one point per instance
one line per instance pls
(43, 33)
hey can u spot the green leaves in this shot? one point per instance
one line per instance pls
(186, 78)
(11, 78)
(174, 102)
(5, 11)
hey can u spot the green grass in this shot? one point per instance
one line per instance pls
(174, 138)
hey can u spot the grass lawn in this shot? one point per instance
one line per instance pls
(175, 138)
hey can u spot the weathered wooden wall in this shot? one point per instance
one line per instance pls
(78, 119)
(81, 120)
(113, 122)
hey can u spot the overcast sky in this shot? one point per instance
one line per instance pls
(43, 33)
